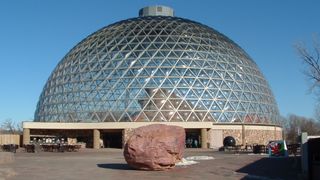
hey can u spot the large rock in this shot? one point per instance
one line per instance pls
(155, 147)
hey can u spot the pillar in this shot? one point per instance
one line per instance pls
(304, 154)
(204, 138)
(243, 134)
(26, 136)
(96, 139)
(125, 136)
(275, 133)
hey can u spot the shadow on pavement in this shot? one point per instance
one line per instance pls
(118, 166)
(273, 168)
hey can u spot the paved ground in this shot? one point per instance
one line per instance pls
(110, 164)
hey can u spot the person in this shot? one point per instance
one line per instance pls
(101, 143)
(195, 143)
(188, 143)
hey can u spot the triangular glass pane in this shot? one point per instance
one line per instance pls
(167, 106)
(201, 115)
(150, 115)
(150, 106)
(151, 83)
(139, 117)
(189, 73)
(189, 81)
(206, 95)
(159, 73)
(226, 93)
(180, 64)
(159, 118)
(198, 91)
(134, 106)
(167, 114)
(215, 106)
(160, 94)
(209, 118)
(212, 85)
(167, 83)
(200, 106)
(183, 83)
(166, 63)
(175, 102)
(185, 115)
(184, 105)
(173, 61)
(191, 95)
(193, 118)
(176, 118)
(197, 84)
(176, 94)
(175, 81)
(174, 73)
(248, 119)
(192, 103)
(125, 118)
(223, 118)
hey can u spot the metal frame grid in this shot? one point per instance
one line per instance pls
(157, 69)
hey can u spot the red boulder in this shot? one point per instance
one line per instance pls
(155, 147)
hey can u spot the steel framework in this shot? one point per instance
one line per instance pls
(157, 69)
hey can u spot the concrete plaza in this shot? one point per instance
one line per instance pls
(110, 164)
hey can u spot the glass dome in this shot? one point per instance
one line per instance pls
(157, 68)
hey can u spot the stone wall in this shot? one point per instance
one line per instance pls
(253, 136)
(279, 135)
(126, 134)
(235, 133)
(259, 136)
(243, 134)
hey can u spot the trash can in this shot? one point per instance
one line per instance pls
(256, 149)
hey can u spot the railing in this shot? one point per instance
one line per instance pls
(52, 147)
(9, 147)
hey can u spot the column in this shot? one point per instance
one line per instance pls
(304, 154)
(26, 136)
(124, 137)
(243, 135)
(96, 139)
(204, 138)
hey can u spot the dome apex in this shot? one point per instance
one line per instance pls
(157, 10)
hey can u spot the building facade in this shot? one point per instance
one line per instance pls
(157, 68)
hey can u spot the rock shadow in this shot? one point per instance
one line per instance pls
(273, 168)
(118, 166)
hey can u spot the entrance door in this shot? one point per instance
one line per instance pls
(112, 139)
(193, 138)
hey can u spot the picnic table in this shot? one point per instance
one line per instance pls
(60, 147)
(9, 147)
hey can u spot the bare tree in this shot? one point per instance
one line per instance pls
(10, 127)
(311, 59)
(297, 124)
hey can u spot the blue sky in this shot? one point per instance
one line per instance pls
(35, 35)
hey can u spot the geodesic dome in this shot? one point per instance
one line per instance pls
(157, 68)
